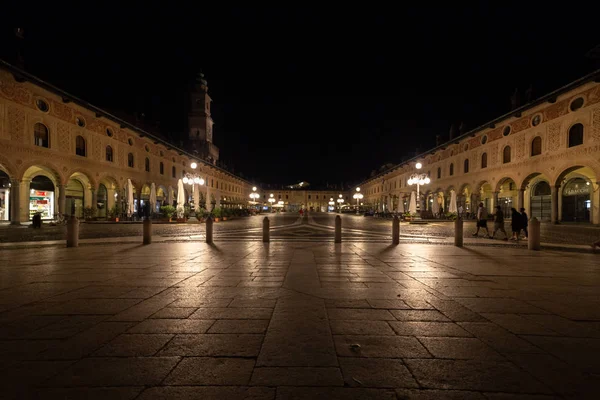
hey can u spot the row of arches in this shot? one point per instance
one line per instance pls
(41, 189)
(572, 197)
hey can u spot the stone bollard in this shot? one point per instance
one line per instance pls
(73, 232)
(533, 239)
(147, 231)
(458, 232)
(209, 230)
(396, 230)
(266, 233)
(338, 229)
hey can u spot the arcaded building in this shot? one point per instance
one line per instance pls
(60, 154)
(544, 156)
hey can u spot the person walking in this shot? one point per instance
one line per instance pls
(524, 222)
(516, 223)
(482, 216)
(499, 223)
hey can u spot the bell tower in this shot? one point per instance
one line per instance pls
(200, 123)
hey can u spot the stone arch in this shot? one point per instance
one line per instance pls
(84, 176)
(502, 181)
(50, 170)
(586, 169)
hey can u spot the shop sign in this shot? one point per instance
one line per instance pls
(576, 191)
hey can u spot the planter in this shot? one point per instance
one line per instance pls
(165, 219)
(217, 219)
(181, 219)
(116, 219)
(224, 218)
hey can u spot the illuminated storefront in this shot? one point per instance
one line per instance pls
(42, 202)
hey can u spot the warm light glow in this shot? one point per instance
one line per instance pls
(358, 189)
(418, 165)
(196, 180)
(194, 165)
(185, 179)
(201, 181)
(331, 199)
(254, 188)
(427, 180)
(271, 195)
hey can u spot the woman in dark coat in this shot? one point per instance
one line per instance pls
(516, 223)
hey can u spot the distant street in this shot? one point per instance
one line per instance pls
(318, 226)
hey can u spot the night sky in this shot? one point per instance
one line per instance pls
(308, 93)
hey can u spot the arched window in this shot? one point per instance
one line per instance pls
(536, 146)
(484, 160)
(80, 146)
(173, 172)
(130, 160)
(439, 174)
(451, 169)
(506, 155)
(109, 153)
(576, 135)
(162, 168)
(466, 166)
(41, 135)
(147, 164)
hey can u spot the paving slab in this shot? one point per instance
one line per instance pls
(298, 320)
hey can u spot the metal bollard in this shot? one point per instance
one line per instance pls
(458, 232)
(147, 231)
(73, 232)
(533, 239)
(209, 230)
(338, 229)
(266, 233)
(396, 230)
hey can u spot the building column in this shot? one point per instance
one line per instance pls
(218, 198)
(24, 193)
(62, 198)
(15, 203)
(595, 197)
(196, 196)
(520, 199)
(110, 199)
(94, 204)
(554, 205)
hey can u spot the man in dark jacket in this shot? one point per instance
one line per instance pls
(499, 223)
(524, 222)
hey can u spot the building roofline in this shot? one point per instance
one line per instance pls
(593, 76)
(103, 113)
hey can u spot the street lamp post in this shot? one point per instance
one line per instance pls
(271, 200)
(340, 201)
(358, 196)
(331, 203)
(418, 179)
(254, 196)
(193, 179)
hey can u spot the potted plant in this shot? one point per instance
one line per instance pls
(168, 212)
(217, 213)
(114, 212)
(89, 213)
(226, 214)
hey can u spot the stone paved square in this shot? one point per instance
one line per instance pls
(184, 320)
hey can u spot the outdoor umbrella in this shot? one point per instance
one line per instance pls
(130, 207)
(400, 205)
(435, 205)
(180, 198)
(412, 208)
(452, 208)
(152, 197)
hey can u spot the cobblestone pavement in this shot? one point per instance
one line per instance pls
(355, 227)
(298, 321)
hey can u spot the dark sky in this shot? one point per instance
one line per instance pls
(309, 93)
